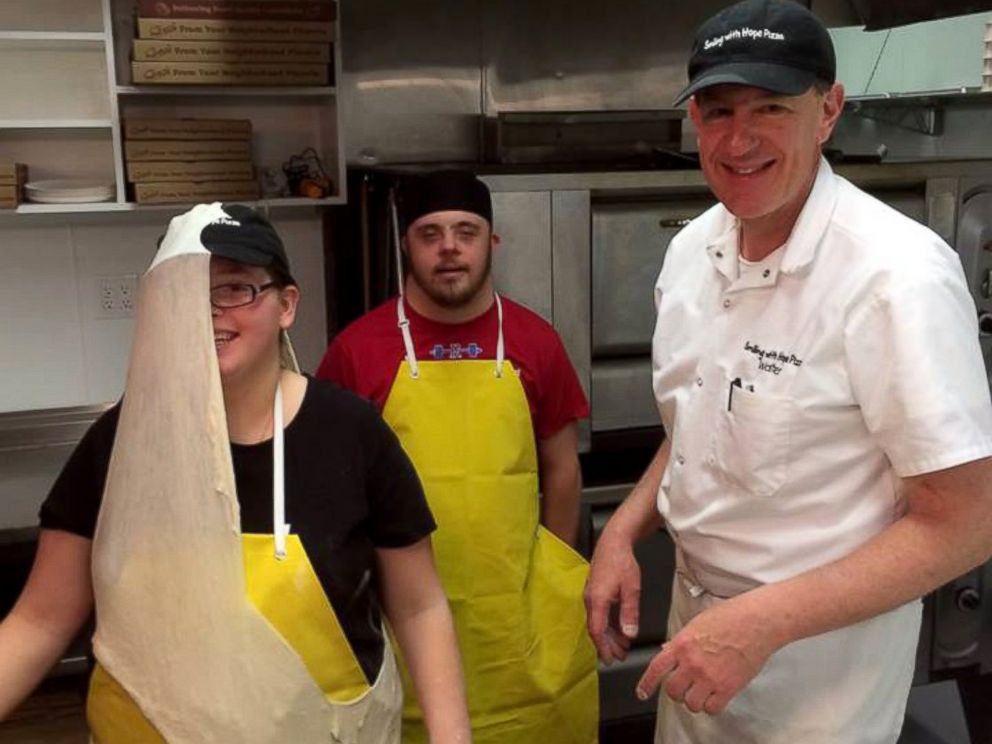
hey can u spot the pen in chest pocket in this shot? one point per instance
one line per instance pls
(736, 383)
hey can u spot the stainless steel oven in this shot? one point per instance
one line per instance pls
(962, 610)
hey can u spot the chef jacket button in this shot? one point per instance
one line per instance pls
(680, 460)
(699, 381)
(726, 303)
(766, 272)
(719, 254)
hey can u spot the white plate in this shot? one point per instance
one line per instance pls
(69, 191)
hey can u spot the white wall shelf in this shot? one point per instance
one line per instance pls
(29, 208)
(234, 90)
(297, 201)
(56, 123)
(66, 92)
(83, 65)
(119, 206)
(35, 37)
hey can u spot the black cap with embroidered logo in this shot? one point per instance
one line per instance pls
(440, 191)
(247, 237)
(777, 45)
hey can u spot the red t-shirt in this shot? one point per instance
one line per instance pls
(365, 357)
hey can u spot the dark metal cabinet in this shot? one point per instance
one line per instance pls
(656, 557)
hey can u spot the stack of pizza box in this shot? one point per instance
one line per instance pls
(189, 160)
(234, 42)
(12, 179)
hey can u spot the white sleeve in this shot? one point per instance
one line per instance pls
(917, 372)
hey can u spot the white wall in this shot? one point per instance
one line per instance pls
(56, 350)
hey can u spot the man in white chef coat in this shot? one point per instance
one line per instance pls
(817, 369)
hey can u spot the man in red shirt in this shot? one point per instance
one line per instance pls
(482, 396)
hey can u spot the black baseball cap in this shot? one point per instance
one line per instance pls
(245, 236)
(777, 45)
(440, 191)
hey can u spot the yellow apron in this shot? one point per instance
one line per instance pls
(515, 589)
(288, 593)
(204, 635)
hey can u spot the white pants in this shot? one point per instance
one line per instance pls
(845, 687)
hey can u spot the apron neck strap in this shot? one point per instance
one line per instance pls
(279, 527)
(411, 355)
(404, 323)
(499, 335)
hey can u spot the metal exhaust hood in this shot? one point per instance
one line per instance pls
(881, 14)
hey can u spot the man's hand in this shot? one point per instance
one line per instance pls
(614, 577)
(714, 656)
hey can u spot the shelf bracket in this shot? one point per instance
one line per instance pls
(925, 118)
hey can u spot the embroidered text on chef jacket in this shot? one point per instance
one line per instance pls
(799, 391)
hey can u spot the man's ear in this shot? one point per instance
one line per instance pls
(694, 113)
(495, 240)
(832, 107)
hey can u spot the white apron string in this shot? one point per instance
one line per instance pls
(499, 335)
(404, 323)
(279, 527)
(411, 355)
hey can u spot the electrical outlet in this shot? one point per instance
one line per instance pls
(116, 296)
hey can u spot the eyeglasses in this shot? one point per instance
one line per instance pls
(227, 296)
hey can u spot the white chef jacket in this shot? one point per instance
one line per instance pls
(798, 393)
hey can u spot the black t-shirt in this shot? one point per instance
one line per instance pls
(350, 488)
